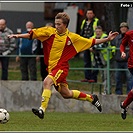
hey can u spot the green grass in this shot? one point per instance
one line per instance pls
(55, 121)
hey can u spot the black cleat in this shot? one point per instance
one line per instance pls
(38, 112)
(96, 102)
(123, 112)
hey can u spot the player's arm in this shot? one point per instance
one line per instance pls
(25, 35)
(110, 37)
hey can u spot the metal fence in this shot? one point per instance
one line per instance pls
(108, 68)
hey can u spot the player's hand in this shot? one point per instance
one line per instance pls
(112, 35)
(123, 55)
(13, 36)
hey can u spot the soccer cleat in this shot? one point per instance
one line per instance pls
(96, 102)
(123, 112)
(38, 112)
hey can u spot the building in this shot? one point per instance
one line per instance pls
(18, 13)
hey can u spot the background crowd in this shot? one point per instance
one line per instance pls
(95, 57)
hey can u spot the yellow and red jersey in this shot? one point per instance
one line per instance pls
(60, 48)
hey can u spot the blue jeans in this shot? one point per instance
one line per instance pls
(4, 64)
(118, 77)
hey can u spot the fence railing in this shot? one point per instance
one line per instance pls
(108, 68)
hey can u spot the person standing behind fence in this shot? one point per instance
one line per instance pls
(99, 56)
(6, 47)
(87, 30)
(26, 48)
(121, 63)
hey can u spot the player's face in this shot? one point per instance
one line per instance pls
(60, 27)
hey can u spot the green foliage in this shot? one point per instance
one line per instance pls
(59, 121)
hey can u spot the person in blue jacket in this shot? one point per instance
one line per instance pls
(26, 51)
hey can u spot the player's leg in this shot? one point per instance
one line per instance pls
(125, 104)
(46, 94)
(127, 101)
(53, 78)
(75, 94)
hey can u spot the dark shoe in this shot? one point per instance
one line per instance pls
(96, 102)
(38, 112)
(123, 112)
(84, 80)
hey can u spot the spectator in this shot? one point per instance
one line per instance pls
(6, 47)
(60, 46)
(25, 48)
(121, 63)
(87, 30)
(100, 57)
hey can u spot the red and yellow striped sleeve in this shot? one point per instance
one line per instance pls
(80, 43)
(42, 33)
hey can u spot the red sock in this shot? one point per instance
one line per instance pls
(129, 99)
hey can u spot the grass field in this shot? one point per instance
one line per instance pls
(55, 121)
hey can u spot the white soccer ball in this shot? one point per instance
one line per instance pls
(4, 116)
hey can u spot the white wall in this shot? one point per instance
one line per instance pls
(130, 18)
(72, 12)
(22, 6)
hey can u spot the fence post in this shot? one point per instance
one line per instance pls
(108, 71)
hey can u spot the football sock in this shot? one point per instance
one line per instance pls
(45, 99)
(82, 96)
(128, 100)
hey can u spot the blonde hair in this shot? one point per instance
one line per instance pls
(64, 16)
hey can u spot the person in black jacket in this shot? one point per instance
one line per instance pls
(88, 27)
(121, 63)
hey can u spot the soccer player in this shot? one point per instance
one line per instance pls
(127, 41)
(60, 45)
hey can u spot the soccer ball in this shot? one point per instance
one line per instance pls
(4, 116)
